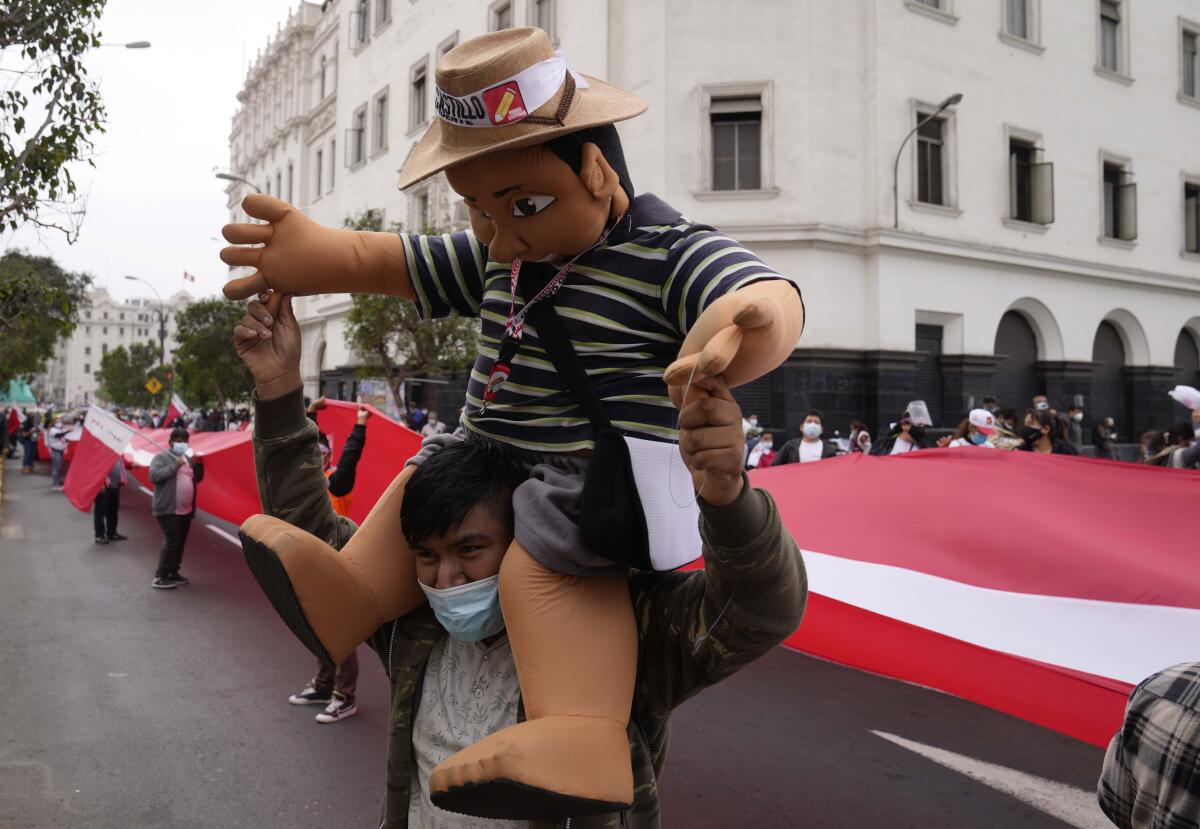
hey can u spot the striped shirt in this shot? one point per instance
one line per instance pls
(626, 305)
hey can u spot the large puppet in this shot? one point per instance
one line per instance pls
(640, 293)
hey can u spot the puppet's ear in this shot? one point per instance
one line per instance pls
(597, 175)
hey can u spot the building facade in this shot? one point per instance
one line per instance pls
(107, 324)
(1040, 234)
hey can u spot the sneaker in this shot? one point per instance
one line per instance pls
(310, 696)
(101, 539)
(337, 709)
(118, 537)
(175, 578)
(163, 584)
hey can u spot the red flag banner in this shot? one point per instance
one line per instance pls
(229, 489)
(103, 440)
(1015, 580)
(177, 408)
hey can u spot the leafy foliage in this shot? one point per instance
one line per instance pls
(123, 374)
(50, 112)
(39, 305)
(207, 369)
(388, 335)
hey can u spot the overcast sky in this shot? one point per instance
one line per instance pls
(153, 203)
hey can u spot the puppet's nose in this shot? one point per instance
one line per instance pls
(506, 245)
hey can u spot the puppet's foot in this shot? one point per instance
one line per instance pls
(320, 594)
(546, 769)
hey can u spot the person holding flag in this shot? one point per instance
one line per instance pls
(175, 477)
(177, 409)
(100, 448)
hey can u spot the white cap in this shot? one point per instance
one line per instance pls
(982, 420)
(1187, 396)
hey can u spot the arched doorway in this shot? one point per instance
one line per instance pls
(1187, 359)
(1015, 378)
(1109, 387)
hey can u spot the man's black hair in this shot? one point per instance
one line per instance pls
(1181, 431)
(569, 148)
(179, 433)
(452, 481)
(816, 414)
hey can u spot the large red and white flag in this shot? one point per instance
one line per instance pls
(176, 409)
(103, 440)
(14, 419)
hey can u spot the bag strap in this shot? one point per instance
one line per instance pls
(553, 336)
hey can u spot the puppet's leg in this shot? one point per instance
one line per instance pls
(332, 600)
(574, 641)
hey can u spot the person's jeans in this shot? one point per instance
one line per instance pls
(30, 457)
(343, 679)
(56, 465)
(175, 532)
(104, 511)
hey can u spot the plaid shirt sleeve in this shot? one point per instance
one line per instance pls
(1151, 774)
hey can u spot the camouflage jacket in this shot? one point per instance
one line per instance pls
(750, 597)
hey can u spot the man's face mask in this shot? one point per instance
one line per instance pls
(469, 612)
(179, 448)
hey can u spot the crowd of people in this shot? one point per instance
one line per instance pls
(1041, 428)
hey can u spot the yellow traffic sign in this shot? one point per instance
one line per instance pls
(153, 386)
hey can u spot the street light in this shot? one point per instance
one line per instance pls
(232, 177)
(137, 44)
(162, 320)
(946, 104)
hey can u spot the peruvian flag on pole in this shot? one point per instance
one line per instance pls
(14, 419)
(176, 409)
(104, 439)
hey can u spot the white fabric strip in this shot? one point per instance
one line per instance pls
(107, 429)
(1122, 641)
(511, 100)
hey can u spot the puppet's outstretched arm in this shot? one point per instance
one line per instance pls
(299, 256)
(741, 336)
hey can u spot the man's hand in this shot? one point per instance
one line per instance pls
(361, 417)
(180, 461)
(268, 341)
(711, 441)
(317, 405)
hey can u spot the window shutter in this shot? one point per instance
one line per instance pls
(725, 106)
(1041, 180)
(1013, 209)
(1127, 212)
(1191, 221)
(349, 147)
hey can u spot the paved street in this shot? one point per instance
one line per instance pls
(132, 707)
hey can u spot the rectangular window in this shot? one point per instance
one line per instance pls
(500, 17)
(87, 368)
(360, 22)
(103, 348)
(446, 45)
(417, 95)
(355, 138)
(736, 125)
(933, 4)
(319, 172)
(1016, 18)
(1120, 203)
(1187, 64)
(1110, 35)
(381, 121)
(105, 328)
(421, 211)
(278, 185)
(1191, 218)
(543, 17)
(383, 12)
(930, 161)
(332, 162)
(291, 180)
(87, 350)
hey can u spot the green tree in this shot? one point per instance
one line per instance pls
(50, 113)
(123, 374)
(391, 339)
(39, 305)
(207, 370)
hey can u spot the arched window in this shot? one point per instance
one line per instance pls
(1015, 380)
(1110, 396)
(1187, 359)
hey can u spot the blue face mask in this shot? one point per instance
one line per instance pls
(979, 438)
(179, 448)
(469, 612)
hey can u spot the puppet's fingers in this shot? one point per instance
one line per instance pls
(245, 286)
(682, 370)
(267, 208)
(243, 233)
(755, 313)
(719, 351)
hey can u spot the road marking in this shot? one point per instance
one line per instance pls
(149, 492)
(1067, 803)
(232, 539)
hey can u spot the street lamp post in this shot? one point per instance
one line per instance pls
(944, 105)
(247, 182)
(162, 320)
(135, 44)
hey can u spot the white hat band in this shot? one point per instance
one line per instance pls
(510, 101)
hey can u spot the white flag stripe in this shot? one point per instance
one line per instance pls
(107, 429)
(1111, 639)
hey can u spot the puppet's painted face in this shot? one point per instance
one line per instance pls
(528, 204)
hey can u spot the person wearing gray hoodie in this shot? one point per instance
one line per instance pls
(175, 478)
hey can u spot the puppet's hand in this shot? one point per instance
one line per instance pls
(300, 256)
(741, 337)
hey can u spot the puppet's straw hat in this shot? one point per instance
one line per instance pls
(505, 90)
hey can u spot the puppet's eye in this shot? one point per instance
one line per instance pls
(531, 205)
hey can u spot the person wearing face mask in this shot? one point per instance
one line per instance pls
(1105, 439)
(1182, 450)
(175, 477)
(809, 446)
(860, 437)
(56, 442)
(906, 436)
(976, 430)
(1075, 427)
(450, 661)
(1045, 434)
(762, 454)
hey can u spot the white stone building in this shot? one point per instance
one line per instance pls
(1046, 237)
(106, 325)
